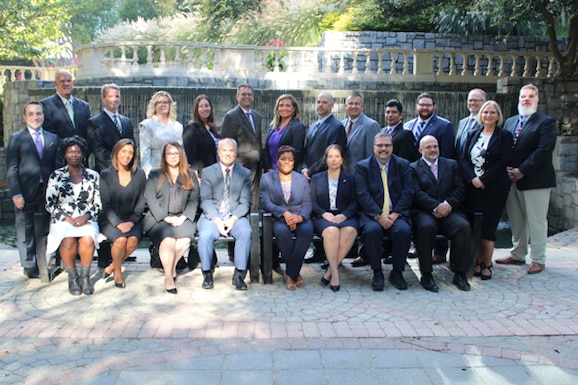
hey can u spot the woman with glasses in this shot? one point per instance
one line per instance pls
(158, 128)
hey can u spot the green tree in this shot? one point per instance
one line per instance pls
(91, 17)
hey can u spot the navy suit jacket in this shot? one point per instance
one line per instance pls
(441, 128)
(331, 131)
(369, 187)
(236, 125)
(103, 135)
(360, 140)
(346, 199)
(272, 200)
(403, 142)
(293, 135)
(498, 153)
(533, 151)
(429, 192)
(213, 188)
(24, 166)
(157, 200)
(57, 120)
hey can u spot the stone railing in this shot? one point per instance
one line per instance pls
(17, 73)
(137, 59)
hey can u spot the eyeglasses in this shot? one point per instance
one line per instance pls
(173, 154)
(386, 145)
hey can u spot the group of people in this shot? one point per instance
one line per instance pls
(339, 179)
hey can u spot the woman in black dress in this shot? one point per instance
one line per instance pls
(201, 135)
(483, 161)
(122, 195)
(172, 197)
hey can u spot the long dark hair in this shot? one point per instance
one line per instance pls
(184, 171)
(196, 119)
(114, 153)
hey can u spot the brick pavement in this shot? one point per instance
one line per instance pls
(513, 328)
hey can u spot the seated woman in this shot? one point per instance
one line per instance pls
(172, 197)
(286, 195)
(73, 202)
(122, 195)
(334, 208)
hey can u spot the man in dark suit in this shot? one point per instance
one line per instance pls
(384, 194)
(428, 123)
(532, 175)
(30, 159)
(108, 127)
(226, 203)
(325, 131)
(403, 140)
(438, 192)
(476, 98)
(65, 115)
(360, 130)
(244, 125)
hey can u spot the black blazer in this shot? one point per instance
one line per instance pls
(25, 168)
(293, 135)
(346, 199)
(495, 178)
(110, 196)
(236, 125)
(403, 143)
(331, 131)
(57, 120)
(103, 135)
(429, 192)
(157, 200)
(533, 151)
(199, 146)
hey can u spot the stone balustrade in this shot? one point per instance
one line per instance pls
(18, 73)
(138, 59)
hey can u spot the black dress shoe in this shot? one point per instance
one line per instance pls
(239, 282)
(318, 256)
(325, 265)
(388, 260)
(172, 291)
(397, 280)
(31, 272)
(208, 280)
(358, 262)
(324, 282)
(428, 283)
(378, 283)
(121, 285)
(461, 282)
(335, 288)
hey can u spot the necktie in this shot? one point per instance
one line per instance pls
(70, 110)
(313, 128)
(349, 127)
(434, 170)
(466, 130)
(385, 209)
(250, 117)
(419, 130)
(38, 143)
(117, 123)
(227, 194)
(517, 133)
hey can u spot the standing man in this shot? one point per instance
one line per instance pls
(226, 203)
(360, 131)
(244, 125)
(384, 194)
(65, 115)
(532, 175)
(476, 98)
(438, 193)
(108, 127)
(403, 140)
(31, 158)
(325, 131)
(428, 123)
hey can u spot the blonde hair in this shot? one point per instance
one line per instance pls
(296, 114)
(153, 103)
(498, 109)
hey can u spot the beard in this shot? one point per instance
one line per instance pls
(527, 110)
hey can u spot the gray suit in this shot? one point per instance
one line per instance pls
(212, 191)
(360, 140)
(461, 127)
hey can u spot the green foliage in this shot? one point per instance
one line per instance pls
(483, 22)
(133, 10)
(91, 17)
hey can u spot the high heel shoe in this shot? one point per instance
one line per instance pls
(324, 282)
(172, 291)
(121, 285)
(489, 268)
(335, 288)
(478, 273)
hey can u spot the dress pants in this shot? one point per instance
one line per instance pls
(528, 214)
(293, 250)
(400, 235)
(24, 222)
(208, 233)
(455, 227)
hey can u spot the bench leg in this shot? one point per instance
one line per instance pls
(267, 255)
(254, 258)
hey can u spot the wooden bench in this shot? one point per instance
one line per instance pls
(268, 239)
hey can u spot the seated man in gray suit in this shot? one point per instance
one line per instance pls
(226, 203)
